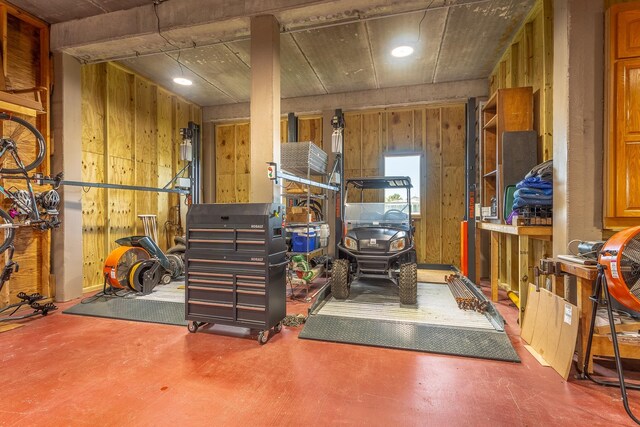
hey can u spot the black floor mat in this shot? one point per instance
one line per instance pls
(140, 310)
(484, 344)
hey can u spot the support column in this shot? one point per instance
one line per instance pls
(265, 106)
(578, 111)
(67, 137)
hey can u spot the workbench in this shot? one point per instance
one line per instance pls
(512, 264)
(586, 278)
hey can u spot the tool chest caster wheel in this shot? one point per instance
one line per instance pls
(278, 327)
(193, 326)
(263, 337)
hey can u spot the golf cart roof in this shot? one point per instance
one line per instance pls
(380, 182)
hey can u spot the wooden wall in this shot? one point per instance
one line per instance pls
(529, 62)
(233, 155)
(27, 65)
(130, 135)
(436, 132)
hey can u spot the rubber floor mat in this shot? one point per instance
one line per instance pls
(478, 343)
(140, 310)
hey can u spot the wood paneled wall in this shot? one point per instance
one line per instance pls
(435, 132)
(438, 134)
(233, 155)
(25, 48)
(130, 135)
(529, 62)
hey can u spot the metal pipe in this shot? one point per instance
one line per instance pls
(114, 186)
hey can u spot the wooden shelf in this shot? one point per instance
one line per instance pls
(491, 124)
(492, 102)
(508, 110)
(529, 230)
(19, 104)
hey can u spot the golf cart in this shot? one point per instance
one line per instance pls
(378, 238)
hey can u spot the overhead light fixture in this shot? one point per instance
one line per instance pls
(402, 51)
(182, 81)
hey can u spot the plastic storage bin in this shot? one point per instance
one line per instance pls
(303, 240)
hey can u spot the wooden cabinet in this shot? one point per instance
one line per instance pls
(507, 110)
(622, 148)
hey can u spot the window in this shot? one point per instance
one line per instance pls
(404, 165)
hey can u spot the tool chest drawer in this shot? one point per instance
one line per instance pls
(234, 265)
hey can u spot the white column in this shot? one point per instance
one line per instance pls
(578, 111)
(265, 106)
(67, 137)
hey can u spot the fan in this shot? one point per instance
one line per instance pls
(618, 278)
(116, 267)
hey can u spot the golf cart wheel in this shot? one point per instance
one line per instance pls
(340, 279)
(192, 326)
(408, 284)
(263, 337)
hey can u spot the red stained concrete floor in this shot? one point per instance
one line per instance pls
(74, 370)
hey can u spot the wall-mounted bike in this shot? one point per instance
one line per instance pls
(23, 206)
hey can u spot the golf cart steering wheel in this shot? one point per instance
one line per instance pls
(394, 212)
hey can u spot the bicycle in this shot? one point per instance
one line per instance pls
(28, 208)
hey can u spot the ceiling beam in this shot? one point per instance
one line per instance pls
(377, 98)
(191, 23)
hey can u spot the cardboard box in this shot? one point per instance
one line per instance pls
(550, 326)
(300, 214)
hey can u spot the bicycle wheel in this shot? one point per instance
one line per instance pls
(25, 138)
(6, 231)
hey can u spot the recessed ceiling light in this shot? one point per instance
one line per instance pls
(402, 51)
(182, 81)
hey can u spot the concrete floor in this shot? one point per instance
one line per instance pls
(73, 370)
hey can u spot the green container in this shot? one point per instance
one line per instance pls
(507, 208)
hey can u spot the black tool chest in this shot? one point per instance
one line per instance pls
(235, 266)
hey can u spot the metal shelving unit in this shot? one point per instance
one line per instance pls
(311, 177)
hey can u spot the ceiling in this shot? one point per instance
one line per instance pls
(452, 42)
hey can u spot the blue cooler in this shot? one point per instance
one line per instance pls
(303, 240)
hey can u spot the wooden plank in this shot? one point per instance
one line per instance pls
(453, 181)
(120, 113)
(165, 173)
(146, 111)
(524, 275)
(495, 255)
(93, 86)
(353, 142)
(372, 141)
(225, 188)
(433, 188)
(243, 183)
(3, 44)
(94, 220)
(121, 214)
(400, 127)
(547, 126)
(225, 149)
(164, 129)
(310, 129)
(242, 141)
(538, 230)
